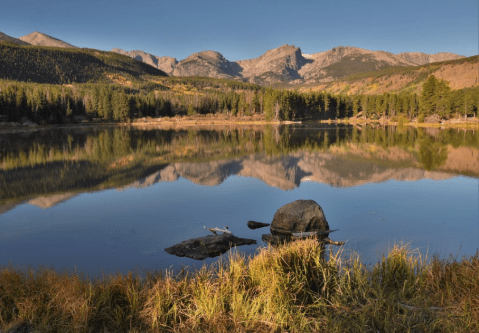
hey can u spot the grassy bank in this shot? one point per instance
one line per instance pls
(458, 123)
(287, 289)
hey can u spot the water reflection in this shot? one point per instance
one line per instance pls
(114, 197)
(62, 162)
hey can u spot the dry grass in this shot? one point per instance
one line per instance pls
(293, 288)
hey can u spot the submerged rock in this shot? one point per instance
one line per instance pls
(208, 246)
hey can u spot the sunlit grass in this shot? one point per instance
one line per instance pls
(295, 288)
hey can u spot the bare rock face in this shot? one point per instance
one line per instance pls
(420, 58)
(288, 64)
(206, 63)
(207, 247)
(166, 64)
(299, 216)
(276, 65)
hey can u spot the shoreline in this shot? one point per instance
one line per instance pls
(292, 288)
(214, 120)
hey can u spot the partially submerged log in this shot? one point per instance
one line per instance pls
(257, 225)
(208, 246)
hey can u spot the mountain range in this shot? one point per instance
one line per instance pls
(285, 64)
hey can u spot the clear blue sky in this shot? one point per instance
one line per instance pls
(246, 29)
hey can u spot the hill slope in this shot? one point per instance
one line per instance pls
(40, 39)
(57, 66)
(460, 73)
(419, 58)
(6, 38)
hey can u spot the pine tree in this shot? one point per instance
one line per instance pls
(427, 101)
(442, 99)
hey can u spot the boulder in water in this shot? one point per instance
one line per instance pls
(208, 246)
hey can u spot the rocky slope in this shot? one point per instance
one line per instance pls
(460, 73)
(287, 64)
(419, 58)
(278, 65)
(206, 63)
(41, 39)
(166, 64)
(342, 61)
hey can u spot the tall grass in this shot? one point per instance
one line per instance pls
(293, 288)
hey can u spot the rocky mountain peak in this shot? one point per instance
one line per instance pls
(287, 63)
(211, 55)
(41, 39)
(166, 64)
(206, 63)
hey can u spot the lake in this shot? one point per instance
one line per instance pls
(110, 199)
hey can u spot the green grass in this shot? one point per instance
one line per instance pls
(292, 288)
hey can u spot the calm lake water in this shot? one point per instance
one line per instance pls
(108, 199)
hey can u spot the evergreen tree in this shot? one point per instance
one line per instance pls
(427, 101)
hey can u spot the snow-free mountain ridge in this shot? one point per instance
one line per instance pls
(285, 64)
(288, 64)
(41, 39)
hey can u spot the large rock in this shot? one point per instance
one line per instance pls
(208, 246)
(433, 119)
(299, 216)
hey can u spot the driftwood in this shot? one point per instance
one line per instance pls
(208, 246)
(216, 230)
(257, 225)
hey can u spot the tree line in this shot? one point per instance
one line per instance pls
(50, 103)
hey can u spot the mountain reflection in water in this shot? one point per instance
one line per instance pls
(46, 168)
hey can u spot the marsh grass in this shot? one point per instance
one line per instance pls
(295, 288)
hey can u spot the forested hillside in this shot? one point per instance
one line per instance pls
(460, 74)
(44, 103)
(55, 85)
(61, 66)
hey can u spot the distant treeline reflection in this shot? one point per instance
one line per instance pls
(47, 162)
